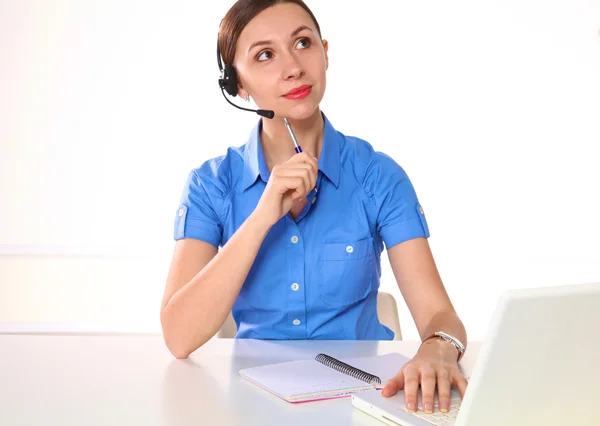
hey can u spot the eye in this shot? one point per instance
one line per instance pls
(303, 43)
(265, 55)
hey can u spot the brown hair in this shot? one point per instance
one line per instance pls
(236, 19)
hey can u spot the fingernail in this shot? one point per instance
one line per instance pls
(443, 408)
(428, 408)
(410, 406)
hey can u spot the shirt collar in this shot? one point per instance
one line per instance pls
(255, 164)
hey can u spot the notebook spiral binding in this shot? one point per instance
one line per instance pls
(344, 368)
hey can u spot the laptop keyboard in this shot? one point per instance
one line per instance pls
(439, 418)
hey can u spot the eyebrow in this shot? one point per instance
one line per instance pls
(268, 42)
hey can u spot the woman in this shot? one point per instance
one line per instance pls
(301, 234)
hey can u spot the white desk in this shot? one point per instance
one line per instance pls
(134, 380)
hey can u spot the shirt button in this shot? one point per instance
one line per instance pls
(294, 239)
(295, 286)
(296, 322)
(314, 200)
(421, 210)
(180, 213)
(349, 249)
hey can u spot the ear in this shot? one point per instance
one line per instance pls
(240, 87)
(326, 49)
(241, 92)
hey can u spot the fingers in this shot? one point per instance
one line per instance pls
(288, 183)
(303, 157)
(461, 383)
(303, 171)
(443, 388)
(309, 176)
(411, 388)
(428, 378)
(393, 385)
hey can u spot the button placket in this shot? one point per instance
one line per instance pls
(296, 298)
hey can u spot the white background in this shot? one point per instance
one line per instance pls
(492, 108)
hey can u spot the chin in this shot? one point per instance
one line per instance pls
(299, 111)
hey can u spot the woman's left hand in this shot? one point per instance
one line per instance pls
(435, 364)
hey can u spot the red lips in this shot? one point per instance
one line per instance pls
(299, 92)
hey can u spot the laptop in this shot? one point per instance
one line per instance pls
(538, 365)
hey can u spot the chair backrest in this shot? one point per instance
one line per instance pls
(387, 311)
(228, 330)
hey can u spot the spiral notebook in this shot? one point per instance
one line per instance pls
(325, 377)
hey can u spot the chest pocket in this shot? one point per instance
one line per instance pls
(347, 271)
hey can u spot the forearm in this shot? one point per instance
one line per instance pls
(195, 313)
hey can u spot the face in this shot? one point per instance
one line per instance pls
(281, 61)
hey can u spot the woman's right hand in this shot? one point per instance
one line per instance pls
(289, 183)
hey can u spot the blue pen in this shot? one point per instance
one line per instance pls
(296, 145)
(292, 135)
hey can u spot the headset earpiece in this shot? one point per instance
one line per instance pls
(228, 80)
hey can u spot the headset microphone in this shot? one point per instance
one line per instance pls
(228, 83)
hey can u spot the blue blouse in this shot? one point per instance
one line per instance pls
(315, 277)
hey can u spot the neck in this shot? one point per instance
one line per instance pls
(277, 143)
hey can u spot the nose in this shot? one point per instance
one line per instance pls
(293, 68)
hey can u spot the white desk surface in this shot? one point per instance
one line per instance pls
(134, 380)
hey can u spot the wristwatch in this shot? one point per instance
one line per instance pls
(450, 339)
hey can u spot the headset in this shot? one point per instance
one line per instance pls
(228, 82)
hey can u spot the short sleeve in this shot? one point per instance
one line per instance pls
(399, 215)
(196, 216)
